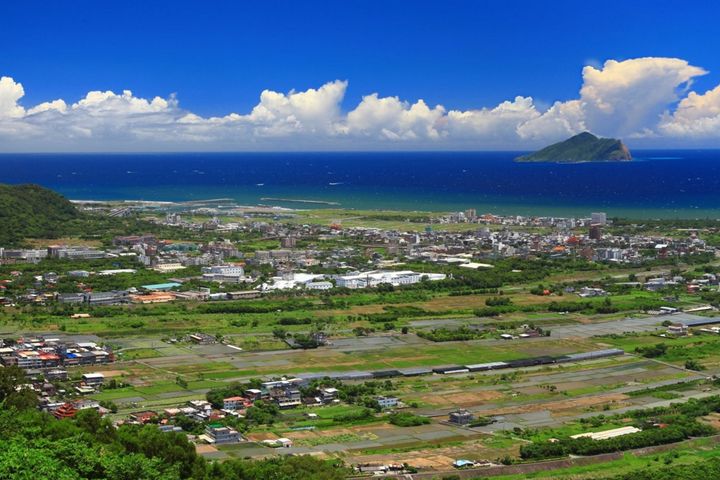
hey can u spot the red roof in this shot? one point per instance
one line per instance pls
(66, 410)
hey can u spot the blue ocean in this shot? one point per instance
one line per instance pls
(656, 184)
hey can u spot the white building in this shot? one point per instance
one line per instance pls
(93, 378)
(319, 285)
(377, 277)
(216, 434)
(604, 435)
(225, 270)
(599, 218)
(387, 402)
(233, 403)
(168, 267)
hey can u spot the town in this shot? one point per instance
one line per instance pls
(256, 331)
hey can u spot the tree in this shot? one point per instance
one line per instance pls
(23, 399)
(10, 379)
(262, 413)
(693, 365)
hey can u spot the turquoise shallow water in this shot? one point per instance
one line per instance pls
(657, 184)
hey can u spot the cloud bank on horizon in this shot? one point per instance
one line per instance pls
(648, 101)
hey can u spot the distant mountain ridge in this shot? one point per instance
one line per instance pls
(28, 211)
(583, 147)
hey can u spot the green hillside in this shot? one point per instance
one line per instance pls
(32, 211)
(584, 147)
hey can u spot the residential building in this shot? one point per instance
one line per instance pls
(93, 379)
(387, 402)
(233, 403)
(461, 417)
(218, 434)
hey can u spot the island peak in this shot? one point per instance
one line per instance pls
(583, 147)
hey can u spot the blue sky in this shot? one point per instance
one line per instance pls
(464, 55)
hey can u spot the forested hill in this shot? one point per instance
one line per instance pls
(32, 211)
(584, 147)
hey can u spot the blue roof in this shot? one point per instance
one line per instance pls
(162, 286)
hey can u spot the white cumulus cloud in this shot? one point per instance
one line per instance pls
(393, 119)
(697, 116)
(637, 98)
(493, 126)
(10, 93)
(619, 99)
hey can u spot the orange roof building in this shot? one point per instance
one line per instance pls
(66, 410)
(154, 297)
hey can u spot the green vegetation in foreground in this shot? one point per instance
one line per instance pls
(37, 446)
(694, 351)
(688, 461)
(658, 426)
(32, 211)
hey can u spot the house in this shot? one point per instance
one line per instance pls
(233, 403)
(278, 443)
(218, 434)
(143, 417)
(253, 394)
(328, 395)
(587, 292)
(387, 402)
(461, 417)
(93, 379)
(677, 330)
(56, 374)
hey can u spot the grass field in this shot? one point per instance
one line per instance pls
(687, 453)
(703, 347)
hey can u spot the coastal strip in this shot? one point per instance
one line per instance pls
(297, 200)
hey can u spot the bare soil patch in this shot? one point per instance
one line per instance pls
(560, 405)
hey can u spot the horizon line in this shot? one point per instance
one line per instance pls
(236, 152)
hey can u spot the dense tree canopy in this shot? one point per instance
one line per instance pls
(36, 446)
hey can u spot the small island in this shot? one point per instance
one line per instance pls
(584, 147)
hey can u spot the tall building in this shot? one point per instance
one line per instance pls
(595, 232)
(288, 242)
(599, 218)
